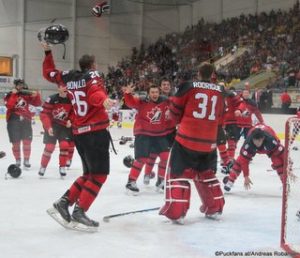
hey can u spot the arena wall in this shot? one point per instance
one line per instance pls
(110, 37)
(126, 117)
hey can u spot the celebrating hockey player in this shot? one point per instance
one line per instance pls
(55, 118)
(244, 113)
(151, 128)
(89, 99)
(18, 117)
(261, 139)
(197, 106)
(230, 122)
(166, 90)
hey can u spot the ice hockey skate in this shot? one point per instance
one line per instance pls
(72, 225)
(132, 188)
(69, 163)
(179, 221)
(53, 213)
(227, 184)
(42, 171)
(81, 222)
(146, 179)
(160, 184)
(60, 213)
(26, 164)
(18, 162)
(214, 216)
(62, 172)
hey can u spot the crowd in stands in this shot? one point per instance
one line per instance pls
(271, 40)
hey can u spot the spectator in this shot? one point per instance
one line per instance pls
(286, 101)
(256, 97)
(298, 79)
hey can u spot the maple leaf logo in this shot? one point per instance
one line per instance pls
(154, 115)
(21, 103)
(60, 114)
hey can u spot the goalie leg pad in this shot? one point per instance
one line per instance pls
(209, 190)
(178, 192)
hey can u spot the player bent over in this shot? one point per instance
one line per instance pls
(261, 139)
(197, 106)
(55, 118)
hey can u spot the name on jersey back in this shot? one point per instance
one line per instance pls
(208, 86)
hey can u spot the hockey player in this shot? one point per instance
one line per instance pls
(226, 161)
(116, 115)
(150, 129)
(18, 117)
(166, 90)
(56, 121)
(89, 100)
(244, 113)
(230, 121)
(197, 105)
(261, 139)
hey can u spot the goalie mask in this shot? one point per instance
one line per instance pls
(128, 161)
(54, 34)
(14, 171)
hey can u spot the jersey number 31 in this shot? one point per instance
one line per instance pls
(203, 106)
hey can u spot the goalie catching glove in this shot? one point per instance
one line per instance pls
(100, 8)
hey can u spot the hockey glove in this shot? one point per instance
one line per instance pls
(226, 168)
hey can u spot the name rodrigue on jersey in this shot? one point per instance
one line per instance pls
(206, 85)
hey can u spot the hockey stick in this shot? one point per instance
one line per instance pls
(108, 217)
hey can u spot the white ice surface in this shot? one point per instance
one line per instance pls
(251, 219)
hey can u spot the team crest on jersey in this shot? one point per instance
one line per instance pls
(167, 113)
(21, 103)
(60, 114)
(154, 115)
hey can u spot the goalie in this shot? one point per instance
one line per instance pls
(261, 139)
(197, 106)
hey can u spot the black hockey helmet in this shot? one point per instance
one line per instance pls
(54, 34)
(128, 161)
(18, 82)
(14, 171)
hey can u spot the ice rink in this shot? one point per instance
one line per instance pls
(250, 222)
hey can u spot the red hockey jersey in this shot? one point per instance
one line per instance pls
(55, 110)
(271, 146)
(86, 92)
(247, 108)
(198, 107)
(19, 104)
(232, 103)
(152, 118)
